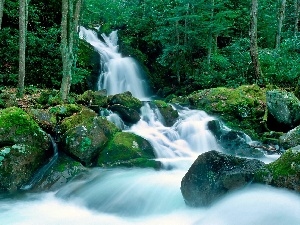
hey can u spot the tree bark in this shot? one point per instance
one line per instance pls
(210, 38)
(253, 41)
(69, 26)
(1, 11)
(281, 14)
(22, 46)
(296, 10)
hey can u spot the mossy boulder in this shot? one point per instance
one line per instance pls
(291, 138)
(85, 141)
(214, 174)
(126, 99)
(46, 120)
(64, 170)
(76, 119)
(8, 99)
(64, 110)
(242, 108)
(128, 115)
(284, 172)
(129, 150)
(169, 114)
(284, 107)
(24, 147)
(93, 98)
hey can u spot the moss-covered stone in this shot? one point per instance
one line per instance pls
(46, 120)
(284, 107)
(76, 119)
(93, 98)
(284, 172)
(169, 114)
(85, 141)
(127, 149)
(24, 147)
(126, 99)
(17, 127)
(63, 171)
(290, 139)
(241, 108)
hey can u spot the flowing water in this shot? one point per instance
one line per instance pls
(147, 196)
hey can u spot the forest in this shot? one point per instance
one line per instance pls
(183, 45)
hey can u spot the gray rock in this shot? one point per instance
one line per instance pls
(284, 107)
(214, 174)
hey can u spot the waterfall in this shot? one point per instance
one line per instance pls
(136, 196)
(118, 74)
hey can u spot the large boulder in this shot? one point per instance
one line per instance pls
(126, 99)
(128, 115)
(242, 108)
(284, 172)
(128, 149)
(284, 107)
(24, 147)
(214, 174)
(63, 170)
(85, 141)
(169, 114)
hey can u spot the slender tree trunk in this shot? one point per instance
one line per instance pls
(177, 51)
(22, 46)
(1, 11)
(281, 14)
(253, 41)
(296, 10)
(210, 38)
(69, 26)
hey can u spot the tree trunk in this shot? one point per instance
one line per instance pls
(296, 10)
(210, 38)
(1, 11)
(22, 46)
(281, 14)
(253, 41)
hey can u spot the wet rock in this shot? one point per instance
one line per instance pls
(284, 107)
(128, 115)
(233, 142)
(284, 172)
(85, 141)
(169, 114)
(291, 138)
(214, 174)
(126, 99)
(129, 150)
(24, 147)
(64, 170)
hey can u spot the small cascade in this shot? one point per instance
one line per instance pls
(41, 172)
(118, 74)
(182, 142)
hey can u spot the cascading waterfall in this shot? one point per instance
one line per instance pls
(146, 196)
(114, 67)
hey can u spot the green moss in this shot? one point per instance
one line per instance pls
(287, 164)
(126, 149)
(85, 144)
(19, 120)
(77, 119)
(242, 108)
(160, 104)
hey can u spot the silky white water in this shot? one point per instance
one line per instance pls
(114, 67)
(147, 196)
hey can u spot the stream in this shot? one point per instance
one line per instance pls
(123, 196)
